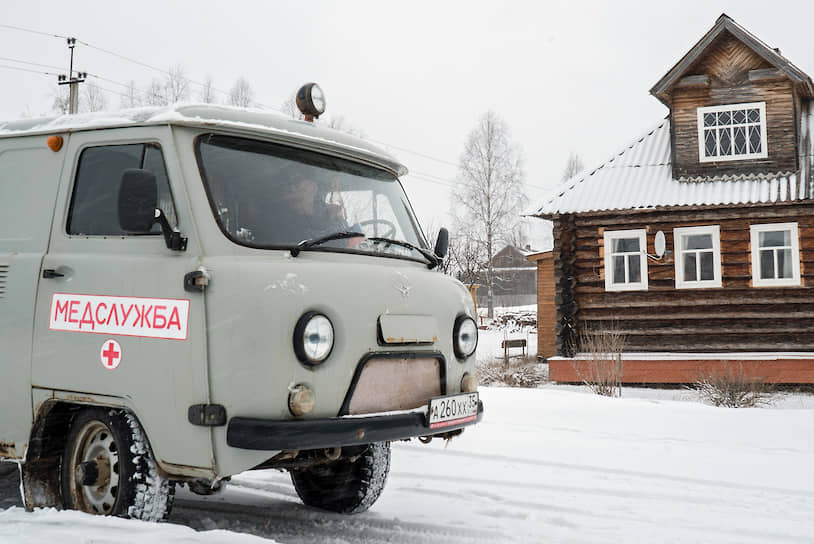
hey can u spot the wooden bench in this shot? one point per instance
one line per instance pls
(512, 343)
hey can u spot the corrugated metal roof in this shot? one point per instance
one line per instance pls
(641, 176)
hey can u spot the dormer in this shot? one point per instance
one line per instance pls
(735, 107)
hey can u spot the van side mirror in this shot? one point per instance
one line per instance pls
(442, 243)
(138, 211)
(138, 198)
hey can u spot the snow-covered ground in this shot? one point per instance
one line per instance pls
(553, 464)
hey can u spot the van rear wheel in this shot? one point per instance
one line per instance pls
(108, 468)
(349, 485)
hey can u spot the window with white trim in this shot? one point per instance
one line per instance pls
(697, 257)
(732, 132)
(626, 260)
(775, 255)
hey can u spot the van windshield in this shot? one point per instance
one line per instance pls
(272, 196)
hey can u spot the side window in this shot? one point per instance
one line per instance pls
(94, 204)
(698, 257)
(775, 255)
(625, 260)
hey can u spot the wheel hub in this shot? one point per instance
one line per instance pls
(95, 462)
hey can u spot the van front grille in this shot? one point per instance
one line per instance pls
(384, 384)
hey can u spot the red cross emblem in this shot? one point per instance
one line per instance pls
(110, 354)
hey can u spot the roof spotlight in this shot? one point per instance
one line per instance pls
(311, 101)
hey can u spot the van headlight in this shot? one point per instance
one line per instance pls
(313, 338)
(464, 337)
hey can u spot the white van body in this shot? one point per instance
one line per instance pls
(197, 348)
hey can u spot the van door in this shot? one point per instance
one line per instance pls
(29, 178)
(113, 317)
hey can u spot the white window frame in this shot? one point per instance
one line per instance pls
(641, 235)
(680, 232)
(764, 148)
(755, 231)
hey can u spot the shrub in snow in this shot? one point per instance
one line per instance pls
(519, 373)
(600, 367)
(732, 387)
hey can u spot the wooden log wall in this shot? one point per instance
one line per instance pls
(565, 249)
(731, 73)
(736, 317)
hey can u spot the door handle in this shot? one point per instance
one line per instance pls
(50, 273)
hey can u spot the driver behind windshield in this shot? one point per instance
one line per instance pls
(291, 209)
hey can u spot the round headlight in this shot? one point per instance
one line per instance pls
(464, 337)
(313, 338)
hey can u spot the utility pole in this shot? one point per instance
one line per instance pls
(73, 101)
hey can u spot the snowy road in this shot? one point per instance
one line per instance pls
(548, 465)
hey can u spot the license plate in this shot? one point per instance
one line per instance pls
(453, 410)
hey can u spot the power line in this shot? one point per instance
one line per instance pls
(160, 70)
(423, 176)
(21, 69)
(415, 153)
(30, 63)
(12, 27)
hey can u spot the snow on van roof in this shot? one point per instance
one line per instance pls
(249, 120)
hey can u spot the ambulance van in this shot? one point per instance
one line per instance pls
(190, 292)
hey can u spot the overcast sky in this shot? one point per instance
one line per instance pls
(567, 77)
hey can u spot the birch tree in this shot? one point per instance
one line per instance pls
(241, 93)
(156, 94)
(208, 91)
(176, 84)
(489, 194)
(62, 100)
(573, 167)
(93, 97)
(131, 97)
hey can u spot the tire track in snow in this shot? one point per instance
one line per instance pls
(692, 495)
(296, 524)
(606, 471)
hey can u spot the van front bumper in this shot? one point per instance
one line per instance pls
(275, 435)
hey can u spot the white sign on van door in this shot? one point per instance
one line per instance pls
(128, 316)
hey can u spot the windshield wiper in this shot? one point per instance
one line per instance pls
(431, 257)
(305, 244)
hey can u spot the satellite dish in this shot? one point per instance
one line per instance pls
(660, 244)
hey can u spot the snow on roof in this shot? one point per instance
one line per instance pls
(641, 176)
(208, 115)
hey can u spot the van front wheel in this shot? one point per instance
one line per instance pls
(349, 485)
(108, 468)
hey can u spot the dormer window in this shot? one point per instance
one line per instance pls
(732, 132)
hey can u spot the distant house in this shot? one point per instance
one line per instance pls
(515, 281)
(727, 180)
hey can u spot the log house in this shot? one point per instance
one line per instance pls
(726, 182)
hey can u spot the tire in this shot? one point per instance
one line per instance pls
(348, 486)
(109, 449)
